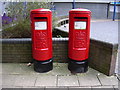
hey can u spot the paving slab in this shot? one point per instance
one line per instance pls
(21, 69)
(59, 69)
(33, 88)
(115, 87)
(90, 72)
(56, 70)
(80, 88)
(23, 89)
(25, 80)
(25, 69)
(105, 80)
(88, 80)
(103, 88)
(60, 76)
(9, 86)
(68, 81)
(8, 80)
(9, 68)
(46, 81)
(56, 88)
(12, 89)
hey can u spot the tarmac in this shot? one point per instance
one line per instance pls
(21, 76)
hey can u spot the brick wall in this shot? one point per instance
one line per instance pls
(60, 49)
(20, 51)
(102, 56)
(16, 50)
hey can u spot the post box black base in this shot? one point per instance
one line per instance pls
(43, 66)
(78, 66)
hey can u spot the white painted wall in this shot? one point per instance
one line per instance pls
(112, 9)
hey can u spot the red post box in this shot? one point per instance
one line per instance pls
(41, 25)
(79, 39)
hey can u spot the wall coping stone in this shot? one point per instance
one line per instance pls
(28, 41)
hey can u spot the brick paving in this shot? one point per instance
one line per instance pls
(21, 76)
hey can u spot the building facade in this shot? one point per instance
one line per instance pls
(101, 9)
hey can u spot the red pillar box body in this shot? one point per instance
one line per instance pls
(79, 39)
(41, 24)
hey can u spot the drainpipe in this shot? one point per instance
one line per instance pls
(73, 4)
(108, 7)
(114, 12)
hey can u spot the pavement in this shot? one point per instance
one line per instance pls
(21, 76)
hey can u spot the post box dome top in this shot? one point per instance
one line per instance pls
(82, 10)
(40, 10)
